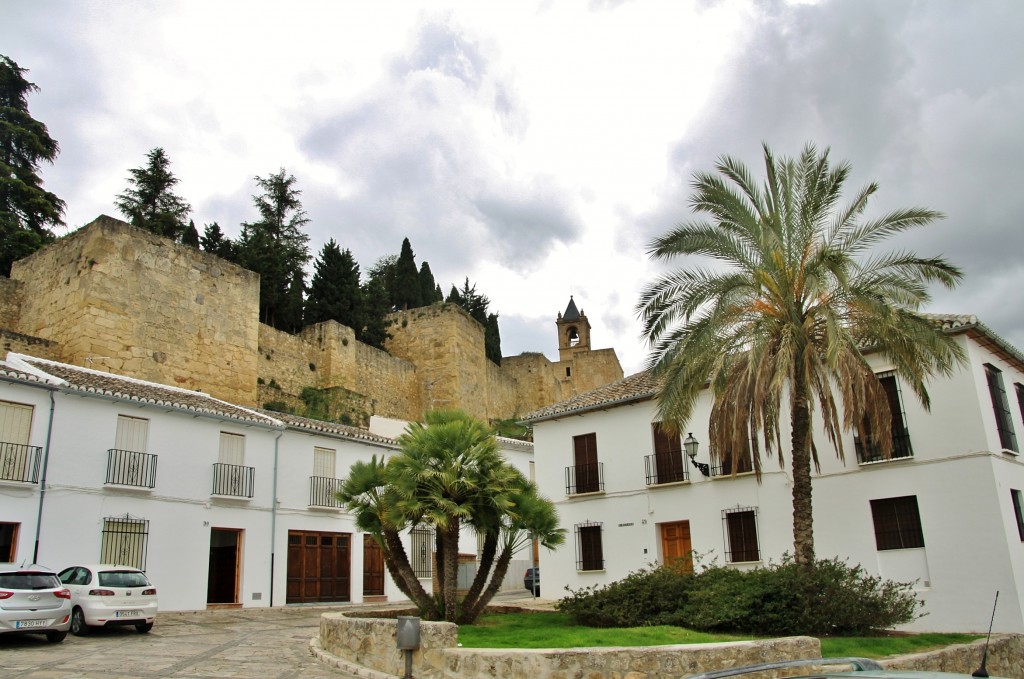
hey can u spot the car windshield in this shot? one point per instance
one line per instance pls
(29, 580)
(123, 579)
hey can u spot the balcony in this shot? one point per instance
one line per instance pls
(745, 465)
(322, 490)
(19, 463)
(868, 451)
(584, 478)
(233, 480)
(130, 468)
(665, 468)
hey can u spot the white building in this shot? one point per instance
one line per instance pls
(945, 511)
(221, 505)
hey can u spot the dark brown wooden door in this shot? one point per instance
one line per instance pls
(668, 456)
(318, 567)
(373, 567)
(585, 458)
(676, 547)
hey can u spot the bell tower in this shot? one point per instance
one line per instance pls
(573, 332)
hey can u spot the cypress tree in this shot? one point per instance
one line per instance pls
(430, 290)
(334, 292)
(150, 203)
(406, 293)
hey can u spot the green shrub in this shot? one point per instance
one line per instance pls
(831, 598)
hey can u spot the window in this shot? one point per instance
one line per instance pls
(744, 463)
(230, 476)
(897, 523)
(666, 465)
(585, 475)
(124, 542)
(422, 551)
(589, 554)
(18, 460)
(232, 449)
(867, 449)
(740, 524)
(323, 462)
(1019, 388)
(128, 463)
(1007, 437)
(1018, 511)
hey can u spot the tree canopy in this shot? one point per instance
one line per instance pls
(447, 475)
(802, 296)
(334, 292)
(150, 203)
(27, 210)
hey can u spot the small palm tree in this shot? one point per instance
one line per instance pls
(803, 296)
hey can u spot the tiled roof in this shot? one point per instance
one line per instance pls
(331, 428)
(638, 387)
(641, 386)
(85, 380)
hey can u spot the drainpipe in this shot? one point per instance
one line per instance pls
(42, 481)
(273, 518)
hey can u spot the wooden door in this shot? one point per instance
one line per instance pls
(585, 458)
(225, 561)
(373, 567)
(676, 547)
(668, 456)
(318, 567)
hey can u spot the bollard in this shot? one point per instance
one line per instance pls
(407, 637)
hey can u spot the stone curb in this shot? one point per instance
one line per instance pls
(350, 668)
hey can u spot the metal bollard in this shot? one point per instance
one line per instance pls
(407, 637)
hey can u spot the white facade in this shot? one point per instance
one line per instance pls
(961, 476)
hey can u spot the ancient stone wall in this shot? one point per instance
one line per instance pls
(26, 344)
(588, 370)
(10, 303)
(120, 299)
(532, 378)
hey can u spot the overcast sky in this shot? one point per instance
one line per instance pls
(537, 147)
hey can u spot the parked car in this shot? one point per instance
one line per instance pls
(861, 668)
(531, 580)
(32, 599)
(106, 595)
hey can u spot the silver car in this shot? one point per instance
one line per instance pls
(32, 599)
(105, 595)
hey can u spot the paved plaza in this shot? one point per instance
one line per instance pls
(251, 643)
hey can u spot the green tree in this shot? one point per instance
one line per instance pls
(191, 235)
(448, 475)
(406, 292)
(802, 297)
(372, 328)
(275, 247)
(215, 242)
(27, 211)
(476, 305)
(334, 292)
(492, 339)
(150, 203)
(428, 287)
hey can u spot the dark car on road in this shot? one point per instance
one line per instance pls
(531, 581)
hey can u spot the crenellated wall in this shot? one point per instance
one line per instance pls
(116, 298)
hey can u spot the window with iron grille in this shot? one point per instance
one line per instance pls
(1007, 436)
(18, 460)
(897, 523)
(589, 552)
(740, 526)
(125, 541)
(1018, 511)
(422, 556)
(742, 459)
(867, 449)
(585, 476)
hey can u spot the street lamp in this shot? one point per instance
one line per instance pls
(691, 444)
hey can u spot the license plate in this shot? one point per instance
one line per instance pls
(127, 614)
(25, 624)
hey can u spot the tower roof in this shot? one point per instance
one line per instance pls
(571, 312)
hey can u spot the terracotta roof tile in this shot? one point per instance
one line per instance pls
(638, 387)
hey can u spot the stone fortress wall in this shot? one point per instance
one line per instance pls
(115, 298)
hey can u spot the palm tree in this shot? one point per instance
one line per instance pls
(802, 298)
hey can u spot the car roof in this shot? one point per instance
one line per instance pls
(103, 567)
(9, 566)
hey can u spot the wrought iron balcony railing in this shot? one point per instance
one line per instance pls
(665, 468)
(584, 478)
(130, 468)
(868, 451)
(744, 465)
(322, 491)
(19, 462)
(233, 480)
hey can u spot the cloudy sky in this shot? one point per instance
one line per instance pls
(537, 147)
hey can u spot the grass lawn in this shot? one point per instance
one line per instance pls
(556, 630)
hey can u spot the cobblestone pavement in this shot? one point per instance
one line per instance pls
(250, 643)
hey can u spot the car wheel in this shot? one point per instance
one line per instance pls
(78, 626)
(144, 627)
(55, 637)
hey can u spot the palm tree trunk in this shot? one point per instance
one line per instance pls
(800, 421)
(472, 612)
(450, 572)
(483, 568)
(397, 562)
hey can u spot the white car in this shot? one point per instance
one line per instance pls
(32, 599)
(105, 595)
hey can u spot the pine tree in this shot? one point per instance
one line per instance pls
(373, 330)
(430, 290)
(476, 305)
(215, 242)
(276, 249)
(26, 209)
(150, 203)
(406, 293)
(334, 292)
(191, 236)
(492, 339)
